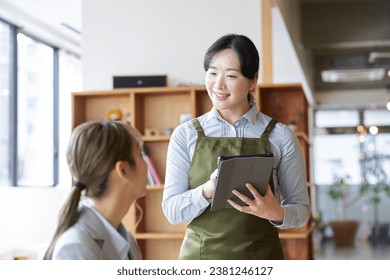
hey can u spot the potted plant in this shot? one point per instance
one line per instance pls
(344, 229)
(376, 183)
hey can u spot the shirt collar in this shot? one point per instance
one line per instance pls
(251, 115)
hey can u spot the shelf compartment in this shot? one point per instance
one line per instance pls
(203, 103)
(154, 219)
(156, 110)
(157, 153)
(285, 103)
(94, 106)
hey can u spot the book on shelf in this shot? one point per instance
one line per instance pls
(153, 178)
(149, 178)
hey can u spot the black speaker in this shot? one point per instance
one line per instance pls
(139, 81)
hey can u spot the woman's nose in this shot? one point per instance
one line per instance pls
(219, 83)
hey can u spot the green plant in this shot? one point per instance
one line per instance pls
(376, 182)
(339, 190)
(375, 190)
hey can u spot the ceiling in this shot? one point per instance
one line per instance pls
(346, 35)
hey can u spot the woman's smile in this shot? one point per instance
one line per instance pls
(221, 96)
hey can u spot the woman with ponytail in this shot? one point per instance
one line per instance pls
(108, 169)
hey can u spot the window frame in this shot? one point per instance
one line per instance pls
(13, 104)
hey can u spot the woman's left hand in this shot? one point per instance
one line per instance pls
(266, 207)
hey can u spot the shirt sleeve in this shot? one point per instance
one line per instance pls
(291, 179)
(181, 204)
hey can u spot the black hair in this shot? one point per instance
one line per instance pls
(246, 51)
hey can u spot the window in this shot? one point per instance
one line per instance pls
(379, 117)
(334, 154)
(337, 144)
(341, 147)
(337, 118)
(29, 110)
(35, 116)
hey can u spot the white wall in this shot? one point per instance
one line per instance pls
(27, 218)
(122, 37)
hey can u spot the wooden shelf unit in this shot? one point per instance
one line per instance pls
(285, 103)
(160, 109)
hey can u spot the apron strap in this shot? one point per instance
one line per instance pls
(265, 135)
(198, 127)
(269, 128)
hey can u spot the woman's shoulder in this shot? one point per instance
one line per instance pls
(78, 232)
(74, 243)
(77, 242)
(281, 133)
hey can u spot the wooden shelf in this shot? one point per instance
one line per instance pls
(160, 108)
(287, 103)
(155, 187)
(161, 235)
(159, 138)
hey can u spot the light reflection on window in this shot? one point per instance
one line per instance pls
(343, 148)
(337, 118)
(5, 38)
(377, 117)
(35, 113)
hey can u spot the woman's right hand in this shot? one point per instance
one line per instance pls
(208, 187)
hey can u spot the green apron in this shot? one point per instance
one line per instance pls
(227, 233)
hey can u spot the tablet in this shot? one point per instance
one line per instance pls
(235, 171)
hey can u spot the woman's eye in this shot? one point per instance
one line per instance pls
(231, 76)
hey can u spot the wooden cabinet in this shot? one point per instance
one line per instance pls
(156, 111)
(287, 103)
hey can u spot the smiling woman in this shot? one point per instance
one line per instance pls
(234, 126)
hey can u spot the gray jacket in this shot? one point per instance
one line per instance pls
(94, 238)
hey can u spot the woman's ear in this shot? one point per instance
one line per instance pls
(122, 169)
(254, 82)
